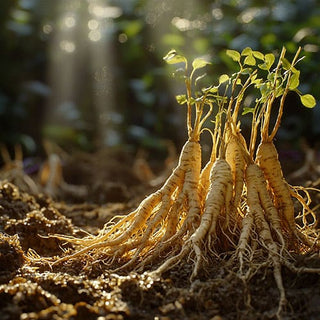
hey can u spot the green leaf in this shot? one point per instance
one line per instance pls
(269, 60)
(172, 57)
(199, 63)
(279, 92)
(206, 90)
(209, 89)
(253, 78)
(258, 55)
(271, 77)
(294, 80)
(246, 71)
(191, 101)
(214, 89)
(223, 78)
(246, 52)
(286, 64)
(263, 66)
(181, 98)
(264, 89)
(247, 110)
(234, 55)
(257, 82)
(250, 60)
(308, 100)
(294, 70)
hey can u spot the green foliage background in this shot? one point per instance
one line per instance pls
(144, 111)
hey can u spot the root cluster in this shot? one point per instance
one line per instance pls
(238, 204)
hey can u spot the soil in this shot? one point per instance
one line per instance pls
(87, 289)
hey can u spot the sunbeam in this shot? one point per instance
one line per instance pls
(81, 61)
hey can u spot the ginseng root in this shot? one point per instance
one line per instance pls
(146, 223)
(267, 158)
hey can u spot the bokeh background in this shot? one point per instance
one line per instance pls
(88, 74)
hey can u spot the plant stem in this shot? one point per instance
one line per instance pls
(189, 111)
(266, 122)
(278, 121)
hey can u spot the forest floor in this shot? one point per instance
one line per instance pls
(86, 289)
